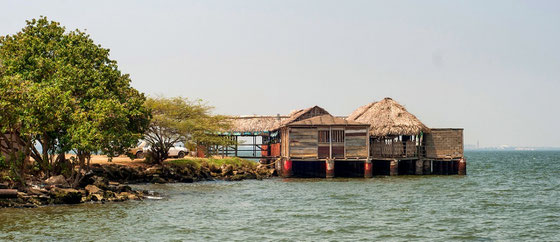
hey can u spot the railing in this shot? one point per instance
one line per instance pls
(394, 149)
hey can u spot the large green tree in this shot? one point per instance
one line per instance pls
(181, 120)
(73, 96)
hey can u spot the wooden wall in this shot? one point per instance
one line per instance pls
(316, 111)
(356, 142)
(303, 142)
(285, 142)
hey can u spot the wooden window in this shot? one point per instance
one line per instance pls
(323, 136)
(338, 136)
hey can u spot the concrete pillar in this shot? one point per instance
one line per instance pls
(419, 167)
(394, 168)
(287, 168)
(330, 168)
(368, 169)
(462, 166)
(427, 170)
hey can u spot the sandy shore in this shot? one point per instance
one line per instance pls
(120, 160)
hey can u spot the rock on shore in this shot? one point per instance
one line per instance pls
(107, 183)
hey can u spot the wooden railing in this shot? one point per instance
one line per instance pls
(394, 149)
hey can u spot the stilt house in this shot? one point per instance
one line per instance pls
(313, 134)
(394, 132)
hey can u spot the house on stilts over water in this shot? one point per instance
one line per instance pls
(401, 144)
(380, 138)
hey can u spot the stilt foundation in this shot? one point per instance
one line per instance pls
(368, 169)
(394, 168)
(329, 168)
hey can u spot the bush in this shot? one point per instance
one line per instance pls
(218, 162)
(3, 164)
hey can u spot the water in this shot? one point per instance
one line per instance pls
(506, 196)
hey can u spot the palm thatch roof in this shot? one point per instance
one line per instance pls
(388, 118)
(256, 123)
(270, 123)
(326, 119)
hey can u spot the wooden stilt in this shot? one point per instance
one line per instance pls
(394, 168)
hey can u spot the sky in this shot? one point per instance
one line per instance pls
(490, 67)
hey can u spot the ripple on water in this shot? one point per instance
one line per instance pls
(506, 196)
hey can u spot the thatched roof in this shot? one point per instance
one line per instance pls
(326, 119)
(270, 123)
(388, 118)
(256, 123)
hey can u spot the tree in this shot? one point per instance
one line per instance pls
(181, 120)
(65, 93)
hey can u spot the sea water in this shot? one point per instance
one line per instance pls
(506, 196)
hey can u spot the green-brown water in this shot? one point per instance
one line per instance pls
(506, 196)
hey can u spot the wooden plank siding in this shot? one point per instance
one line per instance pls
(303, 142)
(285, 142)
(356, 142)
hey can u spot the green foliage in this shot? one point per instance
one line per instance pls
(3, 164)
(60, 89)
(181, 120)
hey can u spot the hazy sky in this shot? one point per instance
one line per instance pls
(491, 67)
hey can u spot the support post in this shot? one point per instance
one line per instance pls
(236, 146)
(254, 146)
(419, 167)
(427, 167)
(368, 171)
(462, 166)
(287, 168)
(330, 168)
(394, 168)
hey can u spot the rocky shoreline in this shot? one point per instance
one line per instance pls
(109, 183)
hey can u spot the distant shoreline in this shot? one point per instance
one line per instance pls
(516, 149)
